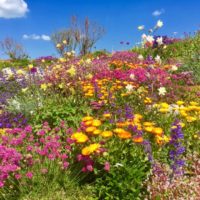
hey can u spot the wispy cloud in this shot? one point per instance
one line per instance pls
(36, 37)
(13, 8)
(158, 12)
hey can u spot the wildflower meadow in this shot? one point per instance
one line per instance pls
(93, 124)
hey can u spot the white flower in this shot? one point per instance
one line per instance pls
(73, 52)
(158, 59)
(140, 57)
(159, 41)
(159, 24)
(149, 38)
(88, 61)
(174, 68)
(129, 87)
(144, 36)
(162, 91)
(118, 165)
(140, 28)
(69, 53)
(132, 76)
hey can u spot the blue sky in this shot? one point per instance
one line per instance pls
(119, 17)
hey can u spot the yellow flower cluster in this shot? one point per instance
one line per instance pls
(106, 87)
(90, 149)
(191, 112)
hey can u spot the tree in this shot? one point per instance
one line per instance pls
(79, 36)
(12, 49)
(90, 34)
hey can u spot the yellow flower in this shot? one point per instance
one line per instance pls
(179, 103)
(183, 113)
(43, 86)
(30, 66)
(20, 72)
(96, 123)
(149, 128)
(87, 118)
(64, 42)
(24, 89)
(88, 123)
(97, 132)
(191, 119)
(147, 100)
(118, 130)
(193, 103)
(182, 124)
(58, 45)
(62, 60)
(79, 137)
(157, 131)
(138, 116)
(60, 85)
(163, 110)
(107, 115)
(72, 71)
(164, 105)
(162, 139)
(2, 131)
(90, 129)
(148, 123)
(107, 134)
(90, 149)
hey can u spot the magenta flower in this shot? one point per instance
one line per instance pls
(29, 175)
(107, 166)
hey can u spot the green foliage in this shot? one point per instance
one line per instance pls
(56, 185)
(56, 108)
(15, 63)
(129, 168)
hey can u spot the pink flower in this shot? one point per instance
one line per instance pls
(107, 166)
(1, 184)
(29, 175)
(65, 165)
(18, 176)
(44, 170)
(89, 168)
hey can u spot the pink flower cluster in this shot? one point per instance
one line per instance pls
(10, 161)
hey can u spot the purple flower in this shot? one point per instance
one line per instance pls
(177, 150)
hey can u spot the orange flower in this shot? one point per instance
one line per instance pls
(120, 124)
(107, 115)
(124, 135)
(88, 123)
(138, 139)
(157, 131)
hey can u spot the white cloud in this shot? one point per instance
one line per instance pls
(158, 12)
(45, 37)
(13, 8)
(36, 37)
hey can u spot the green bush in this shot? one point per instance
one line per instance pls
(129, 168)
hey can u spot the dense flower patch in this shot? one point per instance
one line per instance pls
(126, 124)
